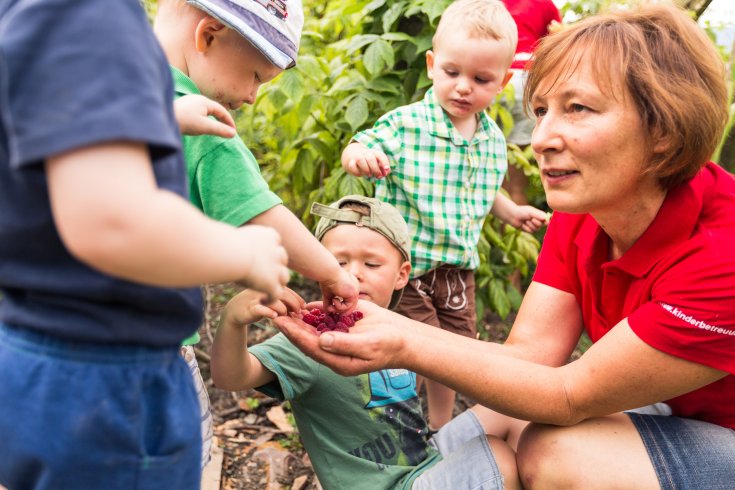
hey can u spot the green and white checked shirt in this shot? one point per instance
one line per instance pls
(443, 185)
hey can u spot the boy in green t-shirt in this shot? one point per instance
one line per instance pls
(366, 431)
(225, 51)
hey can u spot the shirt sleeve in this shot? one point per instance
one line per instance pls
(127, 96)
(295, 372)
(691, 314)
(554, 259)
(228, 183)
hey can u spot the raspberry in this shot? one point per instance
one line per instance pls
(331, 322)
(310, 319)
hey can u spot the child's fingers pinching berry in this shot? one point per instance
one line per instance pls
(331, 322)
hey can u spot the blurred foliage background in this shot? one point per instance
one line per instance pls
(359, 59)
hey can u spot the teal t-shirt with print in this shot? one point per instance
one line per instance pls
(361, 432)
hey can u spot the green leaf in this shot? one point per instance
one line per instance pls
(278, 99)
(358, 42)
(498, 298)
(306, 165)
(506, 120)
(357, 112)
(397, 36)
(392, 15)
(385, 84)
(378, 56)
(374, 5)
(292, 85)
(514, 296)
(309, 66)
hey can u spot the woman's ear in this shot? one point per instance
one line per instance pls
(206, 32)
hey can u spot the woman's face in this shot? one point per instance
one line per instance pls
(591, 147)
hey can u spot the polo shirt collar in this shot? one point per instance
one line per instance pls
(439, 125)
(674, 224)
(183, 84)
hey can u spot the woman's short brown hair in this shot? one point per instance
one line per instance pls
(670, 68)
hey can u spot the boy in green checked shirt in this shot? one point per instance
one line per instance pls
(440, 162)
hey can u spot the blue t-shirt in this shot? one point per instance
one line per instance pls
(74, 74)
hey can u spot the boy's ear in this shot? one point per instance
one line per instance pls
(207, 30)
(403, 273)
(430, 64)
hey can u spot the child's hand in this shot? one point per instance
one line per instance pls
(340, 294)
(192, 114)
(361, 161)
(247, 306)
(268, 259)
(529, 219)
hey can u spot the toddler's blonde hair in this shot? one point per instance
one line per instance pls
(485, 19)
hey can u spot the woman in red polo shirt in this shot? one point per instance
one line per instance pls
(640, 254)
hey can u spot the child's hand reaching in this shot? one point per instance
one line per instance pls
(267, 271)
(528, 219)
(192, 114)
(340, 294)
(361, 161)
(247, 307)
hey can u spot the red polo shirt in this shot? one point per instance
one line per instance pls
(675, 285)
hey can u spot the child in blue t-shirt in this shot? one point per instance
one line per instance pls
(100, 254)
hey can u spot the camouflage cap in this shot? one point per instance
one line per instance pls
(383, 218)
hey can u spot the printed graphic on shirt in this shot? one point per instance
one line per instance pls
(694, 321)
(391, 398)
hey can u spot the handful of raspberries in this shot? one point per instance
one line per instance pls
(331, 322)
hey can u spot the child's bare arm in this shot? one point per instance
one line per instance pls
(233, 367)
(308, 257)
(527, 218)
(360, 161)
(111, 215)
(192, 114)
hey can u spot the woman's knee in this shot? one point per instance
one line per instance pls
(548, 457)
(505, 458)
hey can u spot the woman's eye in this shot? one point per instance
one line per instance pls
(578, 108)
(539, 111)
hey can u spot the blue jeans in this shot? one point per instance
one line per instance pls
(687, 453)
(467, 461)
(92, 416)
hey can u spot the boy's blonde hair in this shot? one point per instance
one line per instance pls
(485, 19)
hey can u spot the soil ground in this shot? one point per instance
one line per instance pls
(262, 450)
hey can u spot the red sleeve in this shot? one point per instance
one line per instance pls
(553, 261)
(691, 313)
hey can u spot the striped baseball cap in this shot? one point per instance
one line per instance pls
(272, 26)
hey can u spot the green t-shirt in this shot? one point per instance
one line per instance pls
(361, 432)
(224, 178)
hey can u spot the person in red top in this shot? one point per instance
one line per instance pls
(534, 19)
(640, 254)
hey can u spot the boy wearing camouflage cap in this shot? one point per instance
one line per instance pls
(364, 431)
(225, 50)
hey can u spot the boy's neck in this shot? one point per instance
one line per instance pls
(466, 125)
